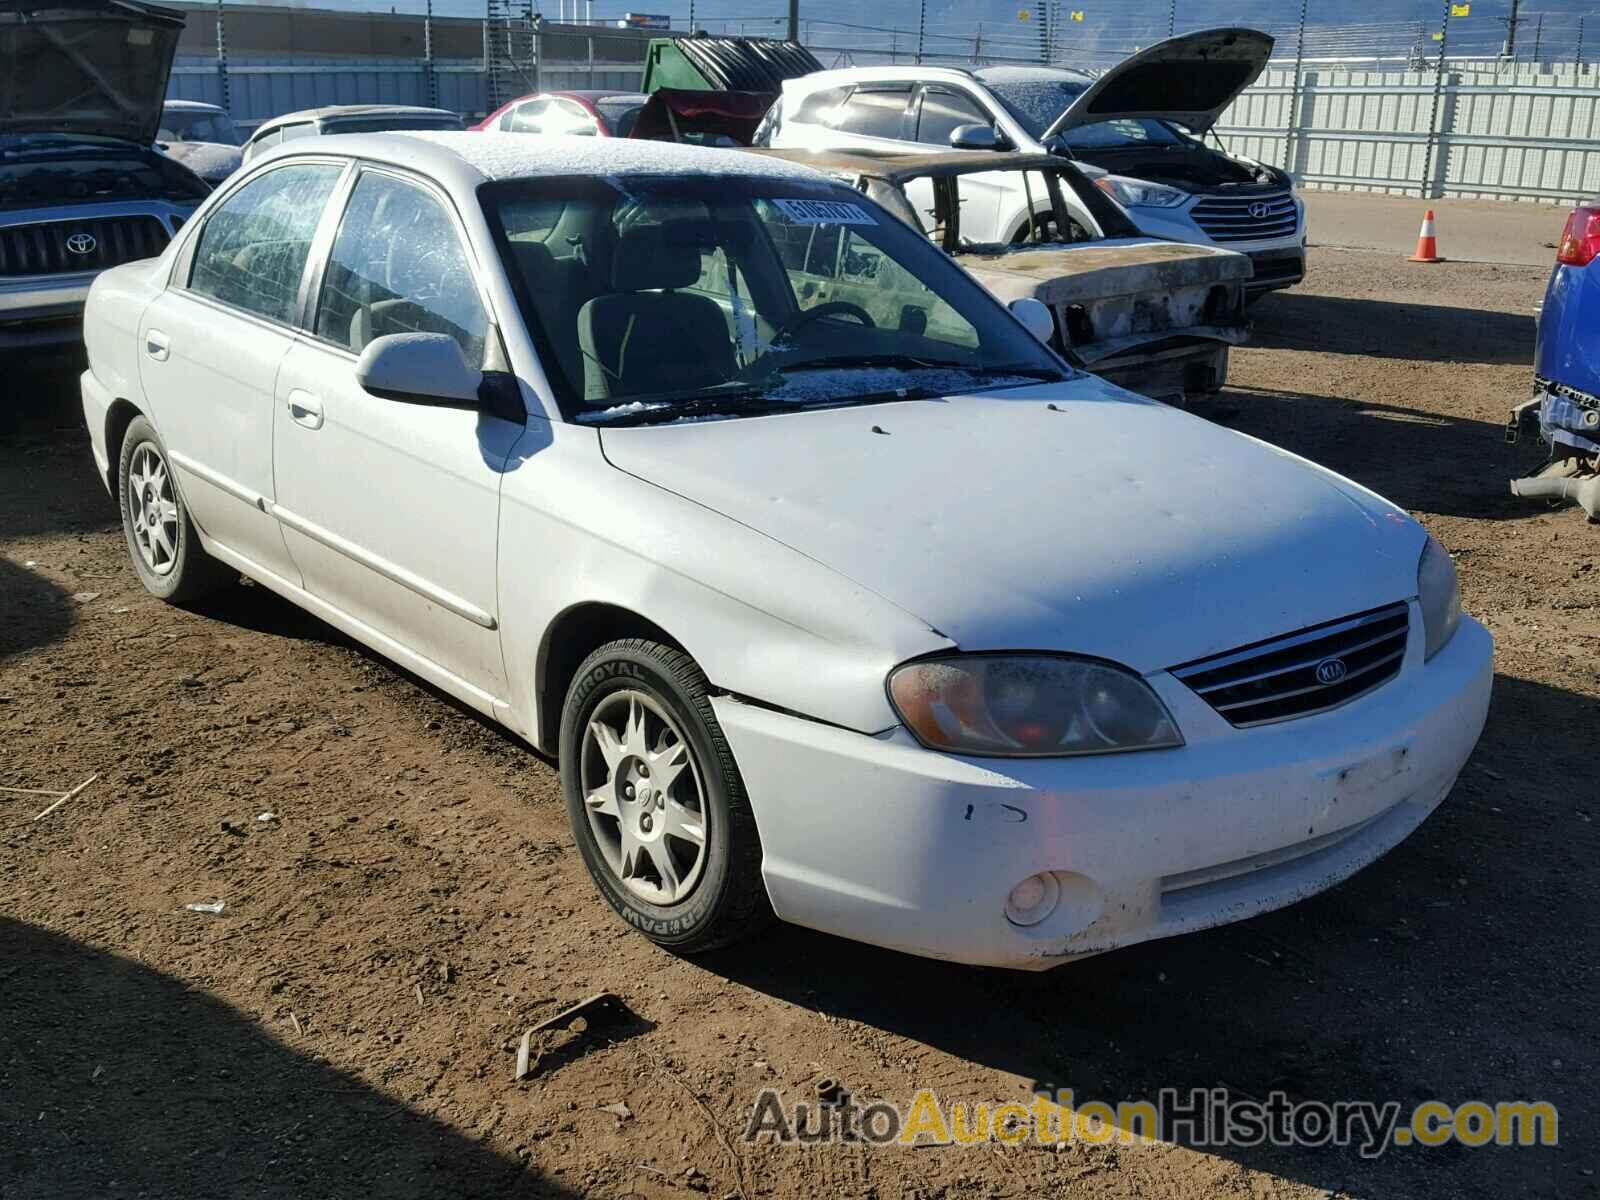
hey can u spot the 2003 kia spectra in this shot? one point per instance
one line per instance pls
(838, 595)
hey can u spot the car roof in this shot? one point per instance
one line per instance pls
(463, 159)
(842, 76)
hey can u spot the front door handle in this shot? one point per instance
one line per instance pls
(305, 409)
(156, 344)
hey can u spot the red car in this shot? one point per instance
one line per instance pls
(577, 113)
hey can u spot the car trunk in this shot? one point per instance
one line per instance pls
(1154, 317)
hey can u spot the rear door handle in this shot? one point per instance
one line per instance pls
(305, 409)
(156, 344)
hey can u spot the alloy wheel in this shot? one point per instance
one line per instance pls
(644, 798)
(153, 509)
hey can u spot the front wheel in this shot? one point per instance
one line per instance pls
(655, 800)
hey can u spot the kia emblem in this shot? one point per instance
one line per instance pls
(82, 243)
(1330, 671)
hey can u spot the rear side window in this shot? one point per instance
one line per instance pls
(876, 111)
(943, 112)
(397, 266)
(526, 118)
(253, 248)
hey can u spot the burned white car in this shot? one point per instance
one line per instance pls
(82, 186)
(1154, 316)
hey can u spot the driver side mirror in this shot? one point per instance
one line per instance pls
(1035, 317)
(978, 137)
(419, 368)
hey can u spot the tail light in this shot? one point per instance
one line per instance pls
(1580, 240)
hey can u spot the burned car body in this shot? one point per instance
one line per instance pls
(1156, 317)
(82, 186)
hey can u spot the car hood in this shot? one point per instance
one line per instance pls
(85, 66)
(1105, 525)
(1189, 79)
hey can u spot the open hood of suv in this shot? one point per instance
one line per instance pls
(85, 66)
(1189, 80)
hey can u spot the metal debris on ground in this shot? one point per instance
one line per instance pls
(215, 907)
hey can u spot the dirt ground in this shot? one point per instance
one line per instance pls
(346, 1026)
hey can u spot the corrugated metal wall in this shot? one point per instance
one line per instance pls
(1513, 133)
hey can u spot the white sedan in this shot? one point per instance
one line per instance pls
(898, 628)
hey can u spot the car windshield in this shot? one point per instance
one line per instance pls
(620, 113)
(657, 299)
(1034, 100)
(178, 126)
(1130, 133)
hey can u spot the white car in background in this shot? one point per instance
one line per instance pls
(905, 631)
(1137, 129)
(202, 137)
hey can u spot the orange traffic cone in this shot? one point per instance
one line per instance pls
(1427, 243)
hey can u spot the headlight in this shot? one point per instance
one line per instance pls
(1439, 591)
(1137, 192)
(1029, 706)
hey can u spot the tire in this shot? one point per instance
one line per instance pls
(707, 896)
(174, 566)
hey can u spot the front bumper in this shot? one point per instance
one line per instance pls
(1279, 262)
(40, 313)
(879, 840)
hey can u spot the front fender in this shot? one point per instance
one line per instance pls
(762, 620)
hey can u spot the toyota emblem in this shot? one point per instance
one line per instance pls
(1260, 210)
(82, 243)
(1330, 671)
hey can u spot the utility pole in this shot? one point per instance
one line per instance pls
(1510, 49)
(794, 20)
(922, 27)
(222, 63)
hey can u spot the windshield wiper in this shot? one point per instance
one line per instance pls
(743, 402)
(913, 363)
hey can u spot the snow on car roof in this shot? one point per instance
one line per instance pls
(517, 156)
(1022, 74)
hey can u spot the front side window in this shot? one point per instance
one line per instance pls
(876, 111)
(943, 112)
(525, 118)
(253, 249)
(397, 266)
(675, 296)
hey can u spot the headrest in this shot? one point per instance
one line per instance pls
(660, 256)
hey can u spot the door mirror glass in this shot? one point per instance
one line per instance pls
(1035, 316)
(423, 368)
(978, 137)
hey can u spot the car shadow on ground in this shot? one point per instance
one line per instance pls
(117, 1079)
(1446, 970)
(1430, 333)
(37, 612)
(1424, 462)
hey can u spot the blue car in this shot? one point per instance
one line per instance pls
(1566, 379)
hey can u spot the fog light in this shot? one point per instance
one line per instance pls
(1032, 900)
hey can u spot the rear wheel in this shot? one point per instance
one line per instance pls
(166, 551)
(655, 800)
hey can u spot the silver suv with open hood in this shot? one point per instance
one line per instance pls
(82, 186)
(1138, 130)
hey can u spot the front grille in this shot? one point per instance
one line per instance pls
(1284, 677)
(64, 247)
(1230, 219)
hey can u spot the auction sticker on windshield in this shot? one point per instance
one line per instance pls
(825, 212)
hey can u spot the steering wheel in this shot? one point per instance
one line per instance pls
(833, 308)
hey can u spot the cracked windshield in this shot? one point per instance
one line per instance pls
(721, 300)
